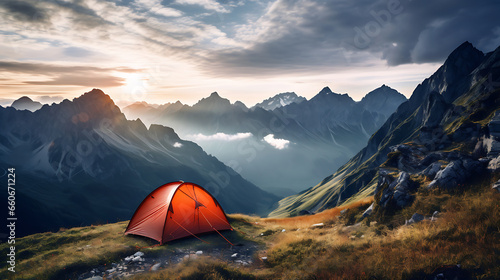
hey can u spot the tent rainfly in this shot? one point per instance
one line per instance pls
(176, 210)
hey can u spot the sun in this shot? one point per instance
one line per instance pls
(136, 84)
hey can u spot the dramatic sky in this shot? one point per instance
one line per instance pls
(248, 50)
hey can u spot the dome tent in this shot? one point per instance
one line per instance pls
(176, 210)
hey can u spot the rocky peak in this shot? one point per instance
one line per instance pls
(26, 103)
(325, 90)
(213, 103)
(383, 99)
(280, 100)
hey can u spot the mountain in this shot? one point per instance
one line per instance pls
(26, 103)
(449, 111)
(383, 99)
(280, 100)
(83, 162)
(303, 140)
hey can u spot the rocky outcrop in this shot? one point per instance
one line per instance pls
(398, 192)
(431, 171)
(456, 173)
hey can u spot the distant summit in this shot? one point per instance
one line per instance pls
(280, 100)
(383, 99)
(26, 103)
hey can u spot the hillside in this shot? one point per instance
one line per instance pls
(444, 125)
(464, 233)
(81, 162)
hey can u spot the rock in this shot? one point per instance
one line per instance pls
(156, 266)
(494, 125)
(496, 186)
(94, 278)
(494, 164)
(139, 254)
(137, 259)
(199, 253)
(234, 255)
(305, 212)
(431, 171)
(368, 211)
(454, 272)
(435, 215)
(111, 270)
(398, 192)
(415, 219)
(319, 225)
(456, 173)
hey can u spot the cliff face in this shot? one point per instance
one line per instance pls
(447, 108)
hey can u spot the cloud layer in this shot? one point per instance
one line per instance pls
(219, 137)
(279, 144)
(48, 45)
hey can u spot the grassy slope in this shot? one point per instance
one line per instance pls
(467, 233)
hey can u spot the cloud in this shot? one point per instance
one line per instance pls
(45, 99)
(177, 145)
(220, 137)
(207, 4)
(279, 144)
(87, 76)
(76, 80)
(314, 36)
(24, 11)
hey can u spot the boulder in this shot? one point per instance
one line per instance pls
(415, 219)
(494, 164)
(496, 186)
(156, 267)
(398, 192)
(431, 171)
(456, 173)
(368, 211)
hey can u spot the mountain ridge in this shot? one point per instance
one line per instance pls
(310, 127)
(85, 157)
(431, 104)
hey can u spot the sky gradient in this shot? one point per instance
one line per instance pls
(163, 51)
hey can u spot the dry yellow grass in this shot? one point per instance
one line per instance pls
(467, 232)
(326, 216)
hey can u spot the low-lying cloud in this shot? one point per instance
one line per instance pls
(177, 145)
(220, 137)
(279, 144)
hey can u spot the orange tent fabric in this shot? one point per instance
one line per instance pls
(177, 210)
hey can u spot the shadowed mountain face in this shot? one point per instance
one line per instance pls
(25, 103)
(81, 162)
(300, 141)
(449, 108)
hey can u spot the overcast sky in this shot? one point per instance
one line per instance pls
(163, 51)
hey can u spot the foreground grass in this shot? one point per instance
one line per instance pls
(467, 233)
(70, 252)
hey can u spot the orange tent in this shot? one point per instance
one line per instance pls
(177, 210)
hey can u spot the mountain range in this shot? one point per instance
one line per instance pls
(433, 134)
(280, 100)
(81, 162)
(306, 139)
